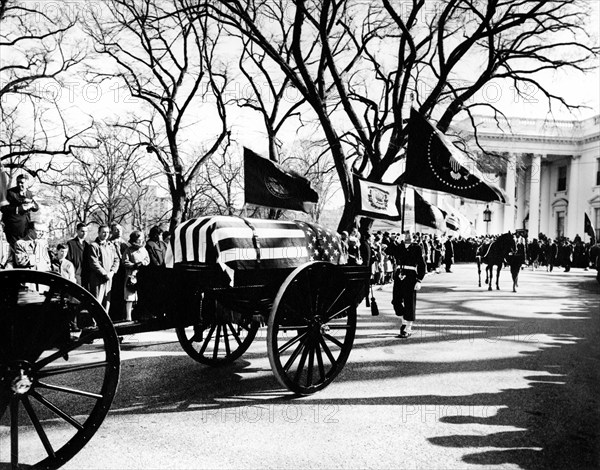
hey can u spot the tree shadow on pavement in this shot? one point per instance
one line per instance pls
(554, 422)
(559, 415)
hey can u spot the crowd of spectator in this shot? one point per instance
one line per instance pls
(107, 266)
(358, 249)
(541, 251)
(441, 251)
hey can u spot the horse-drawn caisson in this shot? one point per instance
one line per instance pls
(226, 276)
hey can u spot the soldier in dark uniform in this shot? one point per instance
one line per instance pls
(551, 254)
(448, 253)
(410, 271)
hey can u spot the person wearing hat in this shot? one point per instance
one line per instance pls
(410, 271)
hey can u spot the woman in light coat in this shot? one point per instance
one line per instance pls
(134, 257)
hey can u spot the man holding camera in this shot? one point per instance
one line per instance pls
(16, 214)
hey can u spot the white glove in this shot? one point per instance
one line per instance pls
(418, 286)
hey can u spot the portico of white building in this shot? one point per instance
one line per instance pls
(551, 177)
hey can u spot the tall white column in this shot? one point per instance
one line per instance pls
(521, 201)
(572, 227)
(546, 215)
(511, 178)
(534, 196)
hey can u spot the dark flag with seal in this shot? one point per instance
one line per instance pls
(377, 200)
(428, 214)
(269, 184)
(434, 162)
(589, 228)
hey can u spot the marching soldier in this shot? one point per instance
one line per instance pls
(410, 271)
(448, 253)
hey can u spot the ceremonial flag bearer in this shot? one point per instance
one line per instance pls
(409, 273)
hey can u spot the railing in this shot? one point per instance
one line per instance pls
(542, 127)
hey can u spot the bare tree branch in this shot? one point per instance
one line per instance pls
(164, 53)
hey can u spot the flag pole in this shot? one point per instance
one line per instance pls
(412, 100)
(403, 206)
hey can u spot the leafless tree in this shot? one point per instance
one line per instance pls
(268, 92)
(35, 54)
(148, 207)
(312, 160)
(165, 54)
(220, 186)
(105, 184)
(360, 65)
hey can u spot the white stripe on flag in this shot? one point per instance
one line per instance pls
(189, 239)
(262, 233)
(178, 252)
(271, 222)
(243, 231)
(204, 239)
(279, 233)
(249, 254)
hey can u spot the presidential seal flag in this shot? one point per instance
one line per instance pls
(267, 183)
(433, 162)
(377, 200)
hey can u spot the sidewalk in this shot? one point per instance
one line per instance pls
(495, 378)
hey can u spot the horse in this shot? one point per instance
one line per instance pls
(481, 250)
(496, 255)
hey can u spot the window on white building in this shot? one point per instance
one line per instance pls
(598, 172)
(562, 179)
(597, 222)
(560, 224)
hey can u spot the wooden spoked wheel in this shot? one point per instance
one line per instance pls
(220, 337)
(311, 328)
(56, 387)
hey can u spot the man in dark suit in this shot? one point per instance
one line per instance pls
(551, 254)
(102, 260)
(16, 215)
(117, 301)
(77, 246)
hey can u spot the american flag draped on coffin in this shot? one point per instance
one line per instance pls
(236, 243)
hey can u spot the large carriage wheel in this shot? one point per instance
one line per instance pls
(56, 387)
(220, 340)
(311, 328)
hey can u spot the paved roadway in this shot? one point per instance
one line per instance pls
(489, 380)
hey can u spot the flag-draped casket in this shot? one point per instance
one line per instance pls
(237, 243)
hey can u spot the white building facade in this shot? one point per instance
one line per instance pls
(552, 177)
